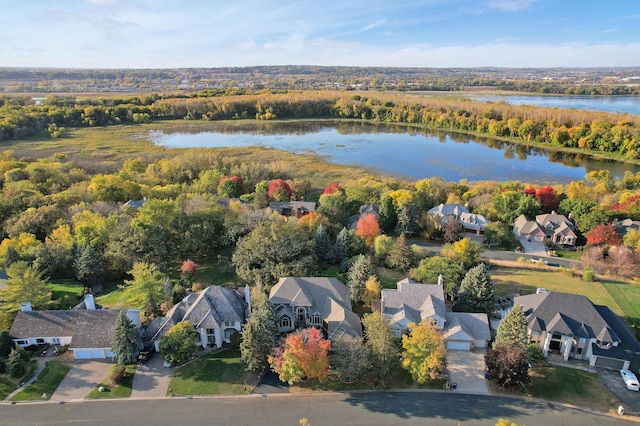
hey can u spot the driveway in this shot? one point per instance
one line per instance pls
(534, 248)
(466, 369)
(81, 379)
(271, 383)
(612, 380)
(151, 379)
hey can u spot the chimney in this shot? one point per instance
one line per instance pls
(440, 280)
(134, 316)
(26, 307)
(89, 303)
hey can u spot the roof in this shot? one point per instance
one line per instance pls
(209, 308)
(622, 226)
(553, 219)
(307, 206)
(475, 325)
(413, 301)
(136, 204)
(442, 210)
(565, 314)
(325, 296)
(365, 209)
(88, 328)
(628, 348)
(527, 227)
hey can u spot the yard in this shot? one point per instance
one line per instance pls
(122, 390)
(6, 387)
(66, 292)
(46, 383)
(216, 374)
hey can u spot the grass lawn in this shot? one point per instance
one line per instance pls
(526, 281)
(389, 277)
(47, 382)
(212, 273)
(570, 386)
(66, 291)
(122, 390)
(6, 387)
(216, 374)
(626, 296)
(568, 254)
(115, 299)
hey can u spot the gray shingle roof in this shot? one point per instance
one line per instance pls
(628, 348)
(413, 301)
(474, 324)
(88, 328)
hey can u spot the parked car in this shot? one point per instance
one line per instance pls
(538, 261)
(630, 380)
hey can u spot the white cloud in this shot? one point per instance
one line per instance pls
(511, 5)
(374, 25)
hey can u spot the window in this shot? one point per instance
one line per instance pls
(229, 323)
(285, 322)
(579, 351)
(21, 342)
(39, 341)
(56, 341)
(317, 319)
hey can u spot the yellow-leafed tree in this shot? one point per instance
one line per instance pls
(424, 351)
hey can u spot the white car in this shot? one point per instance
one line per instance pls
(630, 380)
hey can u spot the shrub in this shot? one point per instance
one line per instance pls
(521, 259)
(3, 367)
(118, 373)
(588, 275)
(534, 353)
(235, 340)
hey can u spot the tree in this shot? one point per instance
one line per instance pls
(477, 293)
(6, 344)
(151, 309)
(11, 256)
(88, 266)
(388, 217)
(127, 340)
(498, 235)
(322, 241)
(431, 267)
(15, 363)
(549, 200)
(451, 229)
(349, 359)
(400, 256)
(279, 190)
(372, 290)
(343, 242)
(259, 337)
(381, 247)
(358, 274)
(407, 220)
(380, 343)
(303, 354)
(334, 207)
(604, 234)
(368, 228)
(507, 366)
(511, 204)
(512, 330)
(25, 284)
(424, 351)
(178, 345)
(230, 187)
(464, 251)
(147, 279)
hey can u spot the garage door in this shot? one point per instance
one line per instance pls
(605, 362)
(454, 345)
(82, 353)
(97, 353)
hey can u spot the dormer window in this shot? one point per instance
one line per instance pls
(603, 345)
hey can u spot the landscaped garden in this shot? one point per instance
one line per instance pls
(46, 383)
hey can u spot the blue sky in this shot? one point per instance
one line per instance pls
(418, 33)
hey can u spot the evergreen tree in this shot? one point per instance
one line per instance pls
(11, 256)
(342, 245)
(408, 220)
(323, 244)
(477, 293)
(358, 274)
(127, 340)
(400, 256)
(259, 337)
(15, 364)
(88, 266)
(512, 330)
(388, 217)
(6, 344)
(151, 308)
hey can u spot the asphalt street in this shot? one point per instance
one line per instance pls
(361, 408)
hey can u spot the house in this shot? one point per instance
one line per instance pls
(413, 302)
(623, 226)
(470, 222)
(293, 208)
(315, 302)
(365, 209)
(87, 332)
(552, 227)
(572, 326)
(136, 204)
(215, 313)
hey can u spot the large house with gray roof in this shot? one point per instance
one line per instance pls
(315, 302)
(572, 326)
(215, 313)
(413, 302)
(87, 331)
(470, 222)
(552, 227)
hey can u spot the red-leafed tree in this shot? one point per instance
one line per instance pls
(189, 269)
(230, 186)
(530, 191)
(279, 190)
(630, 206)
(549, 200)
(604, 234)
(334, 187)
(303, 354)
(368, 228)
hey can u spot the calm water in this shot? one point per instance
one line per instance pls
(398, 151)
(616, 104)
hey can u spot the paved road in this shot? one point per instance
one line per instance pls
(370, 409)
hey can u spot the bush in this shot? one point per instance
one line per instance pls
(118, 373)
(521, 259)
(3, 367)
(588, 275)
(534, 353)
(235, 340)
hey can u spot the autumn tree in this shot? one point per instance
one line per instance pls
(382, 351)
(334, 207)
(477, 293)
(368, 228)
(279, 190)
(178, 345)
(372, 290)
(230, 187)
(361, 269)
(332, 188)
(25, 284)
(126, 341)
(147, 279)
(507, 366)
(450, 229)
(511, 204)
(465, 251)
(188, 270)
(604, 234)
(259, 336)
(424, 351)
(548, 198)
(303, 354)
(512, 330)
(349, 358)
